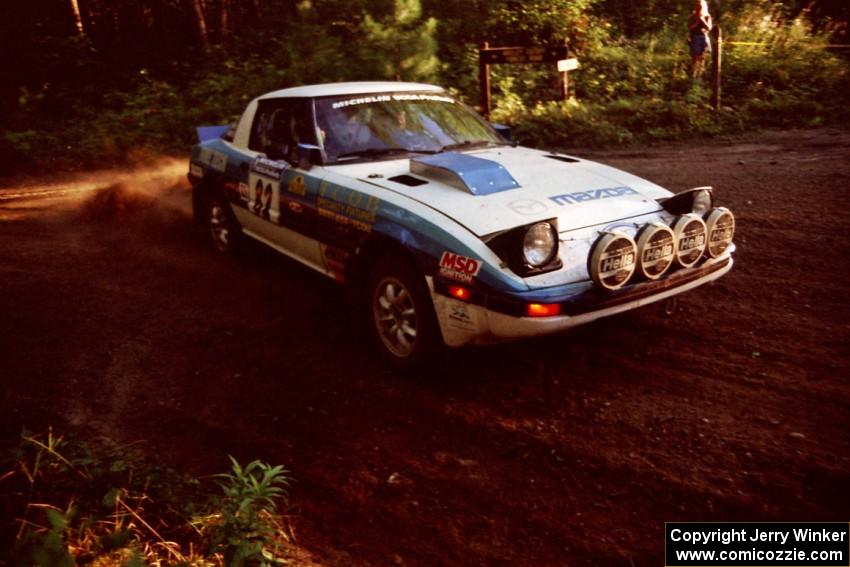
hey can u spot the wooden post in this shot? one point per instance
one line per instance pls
(716, 62)
(565, 83)
(484, 83)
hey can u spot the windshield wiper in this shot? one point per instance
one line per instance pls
(468, 144)
(372, 152)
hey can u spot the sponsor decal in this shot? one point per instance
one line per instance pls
(214, 159)
(460, 317)
(196, 170)
(244, 192)
(388, 97)
(296, 185)
(295, 207)
(335, 261)
(528, 207)
(459, 268)
(347, 207)
(592, 195)
(268, 168)
(263, 194)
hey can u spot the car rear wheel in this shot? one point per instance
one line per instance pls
(223, 228)
(401, 314)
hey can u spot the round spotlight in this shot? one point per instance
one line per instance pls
(720, 225)
(656, 245)
(689, 231)
(612, 260)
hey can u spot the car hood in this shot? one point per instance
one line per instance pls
(579, 193)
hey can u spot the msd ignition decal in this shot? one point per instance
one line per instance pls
(592, 195)
(457, 267)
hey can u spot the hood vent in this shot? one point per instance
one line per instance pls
(408, 180)
(567, 159)
(468, 173)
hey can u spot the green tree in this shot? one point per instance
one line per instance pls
(402, 45)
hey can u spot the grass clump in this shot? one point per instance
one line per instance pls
(71, 502)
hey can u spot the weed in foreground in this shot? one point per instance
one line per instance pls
(74, 503)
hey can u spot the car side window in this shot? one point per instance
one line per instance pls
(281, 124)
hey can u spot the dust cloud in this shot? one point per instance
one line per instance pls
(159, 186)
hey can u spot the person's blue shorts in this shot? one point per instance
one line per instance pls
(700, 44)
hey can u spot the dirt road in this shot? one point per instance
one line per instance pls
(117, 320)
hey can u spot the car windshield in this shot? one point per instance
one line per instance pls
(387, 124)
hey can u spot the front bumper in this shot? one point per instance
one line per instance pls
(495, 319)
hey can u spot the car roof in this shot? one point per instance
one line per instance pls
(350, 88)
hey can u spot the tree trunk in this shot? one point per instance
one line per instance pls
(202, 25)
(78, 18)
(224, 23)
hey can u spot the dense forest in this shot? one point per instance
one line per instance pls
(92, 81)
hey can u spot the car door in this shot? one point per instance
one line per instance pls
(279, 192)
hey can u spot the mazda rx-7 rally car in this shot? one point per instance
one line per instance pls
(448, 231)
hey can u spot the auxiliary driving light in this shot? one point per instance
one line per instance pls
(542, 309)
(656, 249)
(689, 231)
(612, 260)
(720, 225)
(459, 292)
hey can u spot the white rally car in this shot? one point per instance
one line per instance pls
(450, 233)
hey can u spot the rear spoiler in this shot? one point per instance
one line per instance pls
(206, 133)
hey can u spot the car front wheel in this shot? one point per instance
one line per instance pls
(402, 317)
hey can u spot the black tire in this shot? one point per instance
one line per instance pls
(400, 313)
(222, 228)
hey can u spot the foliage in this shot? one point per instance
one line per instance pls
(638, 91)
(401, 46)
(74, 502)
(245, 530)
(140, 80)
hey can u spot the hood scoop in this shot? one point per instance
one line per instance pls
(465, 172)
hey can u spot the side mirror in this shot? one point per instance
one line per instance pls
(308, 155)
(302, 156)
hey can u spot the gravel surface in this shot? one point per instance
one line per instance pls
(118, 321)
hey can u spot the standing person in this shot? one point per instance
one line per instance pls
(699, 24)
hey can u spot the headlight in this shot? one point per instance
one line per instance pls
(698, 200)
(702, 201)
(540, 244)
